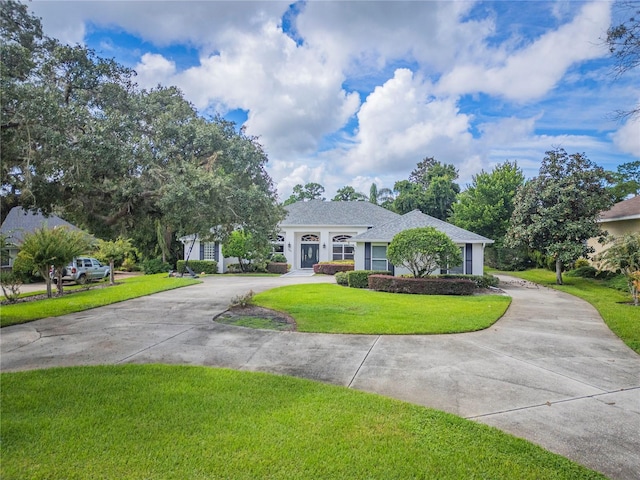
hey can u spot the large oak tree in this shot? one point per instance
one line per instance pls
(79, 138)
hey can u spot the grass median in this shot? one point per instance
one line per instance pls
(327, 308)
(614, 306)
(126, 289)
(171, 422)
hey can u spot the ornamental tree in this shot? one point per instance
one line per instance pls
(112, 251)
(423, 250)
(246, 247)
(53, 247)
(557, 212)
(624, 255)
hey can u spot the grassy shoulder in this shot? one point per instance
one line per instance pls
(328, 308)
(153, 421)
(127, 289)
(614, 306)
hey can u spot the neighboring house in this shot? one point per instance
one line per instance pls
(318, 231)
(19, 222)
(622, 218)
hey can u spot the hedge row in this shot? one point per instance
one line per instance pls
(422, 286)
(342, 278)
(360, 278)
(481, 281)
(332, 268)
(199, 266)
(277, 267)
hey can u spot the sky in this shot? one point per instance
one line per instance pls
(358, 92)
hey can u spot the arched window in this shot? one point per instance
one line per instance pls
(341, 238)
(278, 244)
(341, 249)
(310, 238)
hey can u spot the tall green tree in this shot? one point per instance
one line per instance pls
(431, 188)
(381, 196)
(78, 136)
(308, 191)
(626, 180)
(485, 207)
(557, 212)
(349, 194)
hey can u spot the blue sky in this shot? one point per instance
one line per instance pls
(350, 93)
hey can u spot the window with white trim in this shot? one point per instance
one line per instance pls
(458, 270)
(379, 257)
(210, 251)
(341, 249)
(310, 238)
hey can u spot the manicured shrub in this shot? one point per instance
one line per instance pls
(277, 267)
(422, 286)
(360, 278)
(330, 268)
(199, 266)
(278, 258)
(481, 281)
(342, 279)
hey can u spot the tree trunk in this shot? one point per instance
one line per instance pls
(58, 274)
(558, 271)
(47, 281)
(112, 278)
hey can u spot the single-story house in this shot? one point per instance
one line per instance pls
(622, 218)
(319, 231)
(20, 222)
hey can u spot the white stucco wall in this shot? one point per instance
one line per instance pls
(293, 241)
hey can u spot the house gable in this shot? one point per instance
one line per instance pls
(20, 221)
(417, 219)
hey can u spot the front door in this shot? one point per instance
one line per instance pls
(309, 255)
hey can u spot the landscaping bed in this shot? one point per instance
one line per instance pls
(252, 316)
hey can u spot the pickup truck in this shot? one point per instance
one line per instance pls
(84, 269)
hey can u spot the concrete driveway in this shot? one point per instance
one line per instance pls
(549, 371)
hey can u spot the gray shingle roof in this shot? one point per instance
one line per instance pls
(417, 219)
(318, 212)
(627, 209)
(20, 221)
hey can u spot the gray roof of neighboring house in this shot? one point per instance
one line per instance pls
(625, 210)
(417, 219)
(318, 212)
(20, 221)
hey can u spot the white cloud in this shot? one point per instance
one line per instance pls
(536, 69)
(154, 69)
(163, 23)
(627, 138)
(401, 122)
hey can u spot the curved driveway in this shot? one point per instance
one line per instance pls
(549, 371)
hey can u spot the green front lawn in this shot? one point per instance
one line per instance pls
(614, 306)
(327, 308)
(171, 422)
(127, 289)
